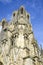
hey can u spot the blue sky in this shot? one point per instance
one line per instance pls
(34, 7)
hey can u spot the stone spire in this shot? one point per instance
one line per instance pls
(21, 16)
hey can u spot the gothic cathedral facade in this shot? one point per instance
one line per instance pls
(17, 43)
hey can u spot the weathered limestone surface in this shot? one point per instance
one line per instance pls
(17, 43)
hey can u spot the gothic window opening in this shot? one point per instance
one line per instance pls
(5, 29)
(3, 23)
(25, 36)
(12, 40)
(13, 14)
(21, 10)
(4, 42)
(27, 16)
(16, 35)
(1, 63)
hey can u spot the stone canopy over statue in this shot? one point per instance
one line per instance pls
(17, 43)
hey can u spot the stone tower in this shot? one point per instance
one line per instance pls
(17, 43)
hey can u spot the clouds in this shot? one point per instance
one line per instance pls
(5, 1)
